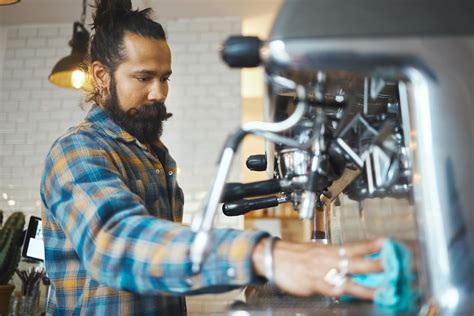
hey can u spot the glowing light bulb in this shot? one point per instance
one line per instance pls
(11, 202)
(78, 78)
(5, 196)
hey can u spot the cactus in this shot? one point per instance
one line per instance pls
(10, 246)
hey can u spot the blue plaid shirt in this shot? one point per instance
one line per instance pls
(111, 222)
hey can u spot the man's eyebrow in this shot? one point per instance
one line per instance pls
(152, 73)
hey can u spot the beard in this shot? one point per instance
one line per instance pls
(144, 122)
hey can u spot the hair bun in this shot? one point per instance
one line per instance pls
(109, 10)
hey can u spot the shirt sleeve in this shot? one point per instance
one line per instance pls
(119, 243)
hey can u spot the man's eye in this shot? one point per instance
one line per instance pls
(165, 79)
(143, 78)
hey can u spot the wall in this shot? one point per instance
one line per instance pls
(204, 97)
(3, 46)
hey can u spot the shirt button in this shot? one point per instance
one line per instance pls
(170, 173)
(231, 273)
(189, 282)
(157, 171)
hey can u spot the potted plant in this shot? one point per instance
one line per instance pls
(10, 252)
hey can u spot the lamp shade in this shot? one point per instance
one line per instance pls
(69, 72)
(8, 2)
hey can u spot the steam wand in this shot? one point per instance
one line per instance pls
(202, 223)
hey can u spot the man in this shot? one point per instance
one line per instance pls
(112, 207)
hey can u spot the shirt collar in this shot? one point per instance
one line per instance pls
(100, 118)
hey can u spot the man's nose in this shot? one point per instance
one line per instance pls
(157, 93)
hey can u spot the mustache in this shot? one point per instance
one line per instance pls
(151, 111)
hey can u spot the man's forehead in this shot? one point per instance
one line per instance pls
(146, 50)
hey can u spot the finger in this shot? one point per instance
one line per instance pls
(363, 266)
(349, 288)
(324, 288)
(357, 290)
(364, 248)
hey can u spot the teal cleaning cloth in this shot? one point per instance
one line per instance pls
(394, 289)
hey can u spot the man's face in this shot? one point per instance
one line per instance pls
(139, 87)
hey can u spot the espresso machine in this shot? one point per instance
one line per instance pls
(367, 99)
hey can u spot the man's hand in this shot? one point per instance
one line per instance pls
(300, 268)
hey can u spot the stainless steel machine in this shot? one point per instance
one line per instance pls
(367, 99)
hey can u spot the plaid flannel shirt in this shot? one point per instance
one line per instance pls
(113, 241)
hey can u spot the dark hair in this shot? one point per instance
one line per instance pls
(111, 20)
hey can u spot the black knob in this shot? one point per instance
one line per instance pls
(242, 51)
(257, 162)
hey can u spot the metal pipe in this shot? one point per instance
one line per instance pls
(202, 223)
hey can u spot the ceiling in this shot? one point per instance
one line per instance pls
(66, 11)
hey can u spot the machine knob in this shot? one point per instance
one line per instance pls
(257, 162)
(242, 51)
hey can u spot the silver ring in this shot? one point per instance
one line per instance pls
(342, 252)
(343, 261)
(338, 277)
(335, 278)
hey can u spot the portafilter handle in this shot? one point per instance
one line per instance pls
(236, 191)
(244, 206)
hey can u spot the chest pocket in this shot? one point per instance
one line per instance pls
(155, 198)
(149, 192)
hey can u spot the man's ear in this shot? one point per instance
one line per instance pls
(101, 76)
